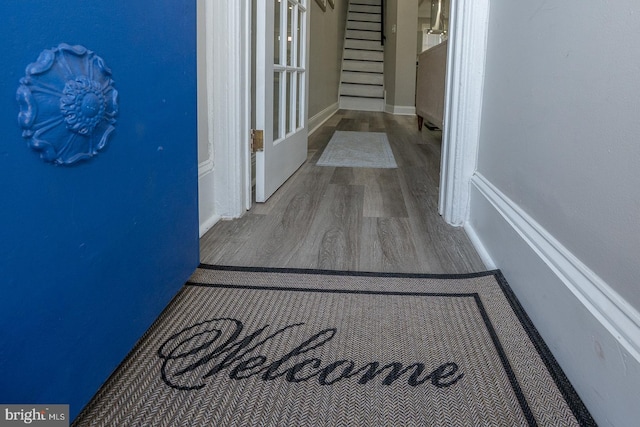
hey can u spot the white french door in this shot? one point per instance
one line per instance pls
(282, 41)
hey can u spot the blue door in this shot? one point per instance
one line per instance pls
(98, 186)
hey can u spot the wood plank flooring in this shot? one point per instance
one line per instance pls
(360, 219)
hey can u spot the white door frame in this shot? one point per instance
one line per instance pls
(206, 177)
(228, 93)
(230, 108)
(468, 25)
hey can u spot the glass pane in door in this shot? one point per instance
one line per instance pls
(276, 105)
(300, 37)
(277, 13)
(289, 128)
(290, 35)
(299, 100)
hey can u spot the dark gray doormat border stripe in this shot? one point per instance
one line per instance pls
(578, 408)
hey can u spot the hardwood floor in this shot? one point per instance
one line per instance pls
(352, 218)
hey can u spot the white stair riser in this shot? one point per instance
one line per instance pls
(355, 16)
(355, 25)
(364, 9)
(365, 91)
(363, 44)
(364, 55)
(362, 104)
(368, 78)
(370, 2)
(364, 35)
(377, 67)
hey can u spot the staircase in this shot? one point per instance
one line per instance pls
(362, 78)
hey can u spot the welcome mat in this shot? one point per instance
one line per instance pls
(270, 347)
(358, 150)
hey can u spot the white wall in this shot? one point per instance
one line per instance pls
(556, 199)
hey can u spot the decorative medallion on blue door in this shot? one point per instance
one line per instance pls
(67, 104)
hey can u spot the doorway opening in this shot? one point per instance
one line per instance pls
(228, 33)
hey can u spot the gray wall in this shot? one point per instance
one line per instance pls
(390, 54)
(559, 147)
(400, 52)
(325, 60)
(560, 126)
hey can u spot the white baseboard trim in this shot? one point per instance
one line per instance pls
(207, 224)
(400, 110)
(319, 119)
(591, 330)
(480, 248)
(613, 311)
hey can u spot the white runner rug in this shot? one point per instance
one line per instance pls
(358, 150)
